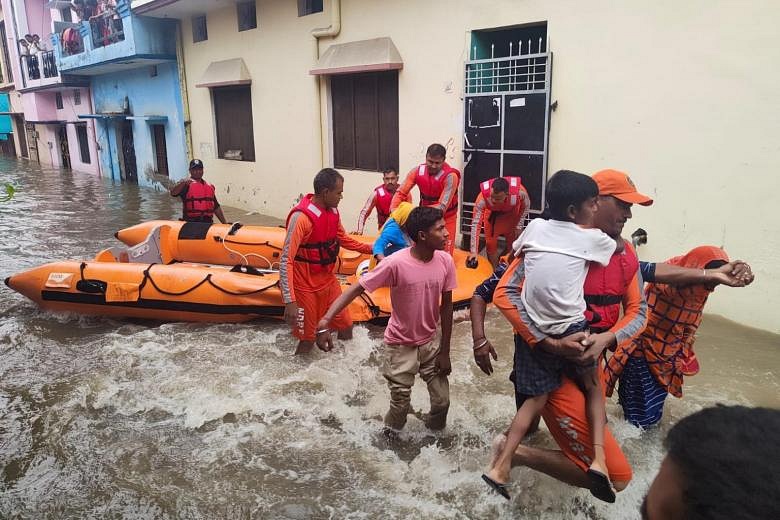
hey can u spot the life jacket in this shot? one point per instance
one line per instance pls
(432, 187)
(382, 200)
(321, 248)
(605, 287)
(514, 198)
(200, 201)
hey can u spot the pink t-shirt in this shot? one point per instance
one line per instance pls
(415, 294)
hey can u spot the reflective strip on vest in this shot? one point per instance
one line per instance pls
(314, 209)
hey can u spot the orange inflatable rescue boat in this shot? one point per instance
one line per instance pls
(226, 244)
(144, 281)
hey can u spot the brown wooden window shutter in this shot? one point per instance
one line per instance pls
(365, 120)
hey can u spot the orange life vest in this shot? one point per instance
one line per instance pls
(514, 198)
(431, 187)
(606, 286)
(200, 201)
(321, 248)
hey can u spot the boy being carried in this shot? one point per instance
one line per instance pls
(421, 279)
(556, 255)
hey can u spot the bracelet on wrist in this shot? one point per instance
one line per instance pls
(323, 331)
(481, 344)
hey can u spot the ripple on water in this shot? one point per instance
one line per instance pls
(127, 419)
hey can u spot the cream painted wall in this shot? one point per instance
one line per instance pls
(682, 95)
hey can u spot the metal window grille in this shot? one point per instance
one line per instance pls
(76, 97)
(521, 72)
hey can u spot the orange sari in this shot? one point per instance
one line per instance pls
(674, 317)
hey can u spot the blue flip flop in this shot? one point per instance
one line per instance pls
(600, 486)
(496, 486)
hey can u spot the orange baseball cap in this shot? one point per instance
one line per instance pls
(620, 186)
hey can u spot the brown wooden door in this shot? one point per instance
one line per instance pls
(160, 149)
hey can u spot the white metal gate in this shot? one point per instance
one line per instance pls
(506, 112)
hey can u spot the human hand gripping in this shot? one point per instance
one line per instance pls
(291, 314)
(595, 344)
(443, 364)
(734, 274)
(570, 347)
(483, 351)
(324, 339)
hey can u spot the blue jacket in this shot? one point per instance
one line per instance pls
(391, 239)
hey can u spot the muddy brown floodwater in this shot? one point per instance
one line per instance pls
(106, 418)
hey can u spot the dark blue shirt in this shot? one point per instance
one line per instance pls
(486, 289)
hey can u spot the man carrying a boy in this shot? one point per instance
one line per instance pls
(421, 280)
(565, 410)
(556, 254)
(309, 254)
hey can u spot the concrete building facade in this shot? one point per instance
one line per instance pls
(48, 128)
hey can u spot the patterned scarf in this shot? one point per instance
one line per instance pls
(674, 316)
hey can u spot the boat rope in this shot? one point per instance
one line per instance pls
(243, 256)
(207, 279)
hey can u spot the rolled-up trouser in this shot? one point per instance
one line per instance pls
(401, 363)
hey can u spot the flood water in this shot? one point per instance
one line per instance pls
(105, 418)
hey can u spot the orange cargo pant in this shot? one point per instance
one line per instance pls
(312, 306)
(451, 221)
(567, 421)
(500, 225)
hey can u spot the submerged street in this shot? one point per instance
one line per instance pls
(108, 418)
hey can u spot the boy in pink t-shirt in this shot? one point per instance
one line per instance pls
(421, 279)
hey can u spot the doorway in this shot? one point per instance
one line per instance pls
(506, 112)
(19, 123)
(160, 149)
(32, 142)
(128, 165)
(62, 137)
(7, 146)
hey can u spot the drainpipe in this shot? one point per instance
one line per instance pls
(331, 31)
(185, 100)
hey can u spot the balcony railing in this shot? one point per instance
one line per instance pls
(34, 64)
(106, 29)
(49, 63)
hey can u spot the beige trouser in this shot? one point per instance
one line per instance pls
(399, 367)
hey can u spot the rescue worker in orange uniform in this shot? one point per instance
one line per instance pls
(311, 249)
(380, 199)
(438, 184)
(198, 197)
(502, 207)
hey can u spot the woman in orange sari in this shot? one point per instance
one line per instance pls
(655, 363)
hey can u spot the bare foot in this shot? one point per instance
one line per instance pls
(599, 460)
(498, 472)
(496, 447)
